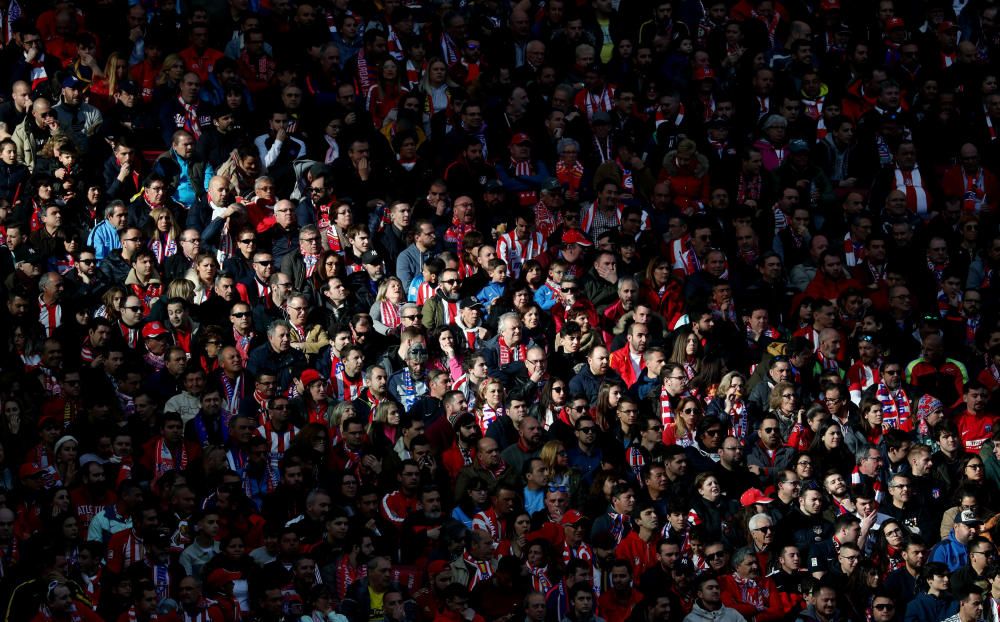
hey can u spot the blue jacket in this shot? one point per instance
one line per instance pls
(950, 552)
(927, 608)
(104, 239)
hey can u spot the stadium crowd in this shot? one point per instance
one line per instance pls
(499, 310)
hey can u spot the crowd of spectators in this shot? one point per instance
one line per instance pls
(499, 310)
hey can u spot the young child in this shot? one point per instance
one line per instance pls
(423, 287)
(497, 269)
(12, 173)
(548, 294)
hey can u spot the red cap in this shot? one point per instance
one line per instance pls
(946, 26)
(520, 138)
(830, 5)
(575, 236)
(752, 496)
(153, 329)
(49, 419)
(310, 376)
(29, 469)
(895, 23)
(704, 73)
(220, 576)
(436, 567)
(571, 517)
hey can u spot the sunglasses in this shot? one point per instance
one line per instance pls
(241, 315)
(587, 430)
(884, 607)
(714, 556)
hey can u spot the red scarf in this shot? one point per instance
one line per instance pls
(509, 354)
(165, 461)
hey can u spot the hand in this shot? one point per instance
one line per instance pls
(364, 169)
(351, 118)
(434, 534)
(751, 204)
(299, 387)
(482, 333)
(637, 163)
(52, 123)
(60, 173)
(521, 542)
(125, 170)
(135, 34)
(850, 182)
(281, 136)
(756, 470)
(32, 53)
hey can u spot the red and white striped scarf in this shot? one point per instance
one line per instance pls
(191, 124)
(163, 248)
(345, 388)
(666, 410)
(487, 415)
(390, 314)
(974, 195)
(49, 316)
(597, 103)
(895, 408)
(484, 571)
(509, 354)
(751, 592)
(911, 183)
(739, 421)
(165, 461)
(242, 344)
(854, 252)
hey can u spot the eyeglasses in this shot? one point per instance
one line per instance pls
(691, 411)
(578, 409)
(792, 482)
(656, 428)
(86, 262)
(977, 466)
(769, 430)
(194, 241)
(308, 240)
(248, 241)
(449, 281)
(135, 309)
(677, 378)
(317, 190)
(884, 607)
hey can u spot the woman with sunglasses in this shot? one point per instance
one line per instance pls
(550, 409)
(682, 430)
(561, 474)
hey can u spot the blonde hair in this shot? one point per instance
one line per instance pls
(380, 296)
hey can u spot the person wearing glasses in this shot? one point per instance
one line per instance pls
(905, 508)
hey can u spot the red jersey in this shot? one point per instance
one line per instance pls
(974, 430)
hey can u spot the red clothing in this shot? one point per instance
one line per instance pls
(639, 553)
(756, 600)
(201, 64)
(83, 613)
(824, 287)
(926, 377)
(979, 192)
(396, 506)
(621, 362)
(87, 506)
(668, 301)
(614, 610)
(974, 430)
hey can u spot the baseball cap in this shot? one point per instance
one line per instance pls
(72, 82)
(470, 302)
(310, 376)
(575, 236)
(600, 118)
(571, 517)
(752, 496)
(220, 576)
(946, 26)
(895, 23)
(969, 518)
(493, 185)
(130, 88)
(798, 146)
(153, 329)
(551, 185)
(830, 5)
(417, 352)
(520, 138)
(371, 258)
(704, 73)
(29, 470)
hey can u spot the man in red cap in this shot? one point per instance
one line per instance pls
(521, 175)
